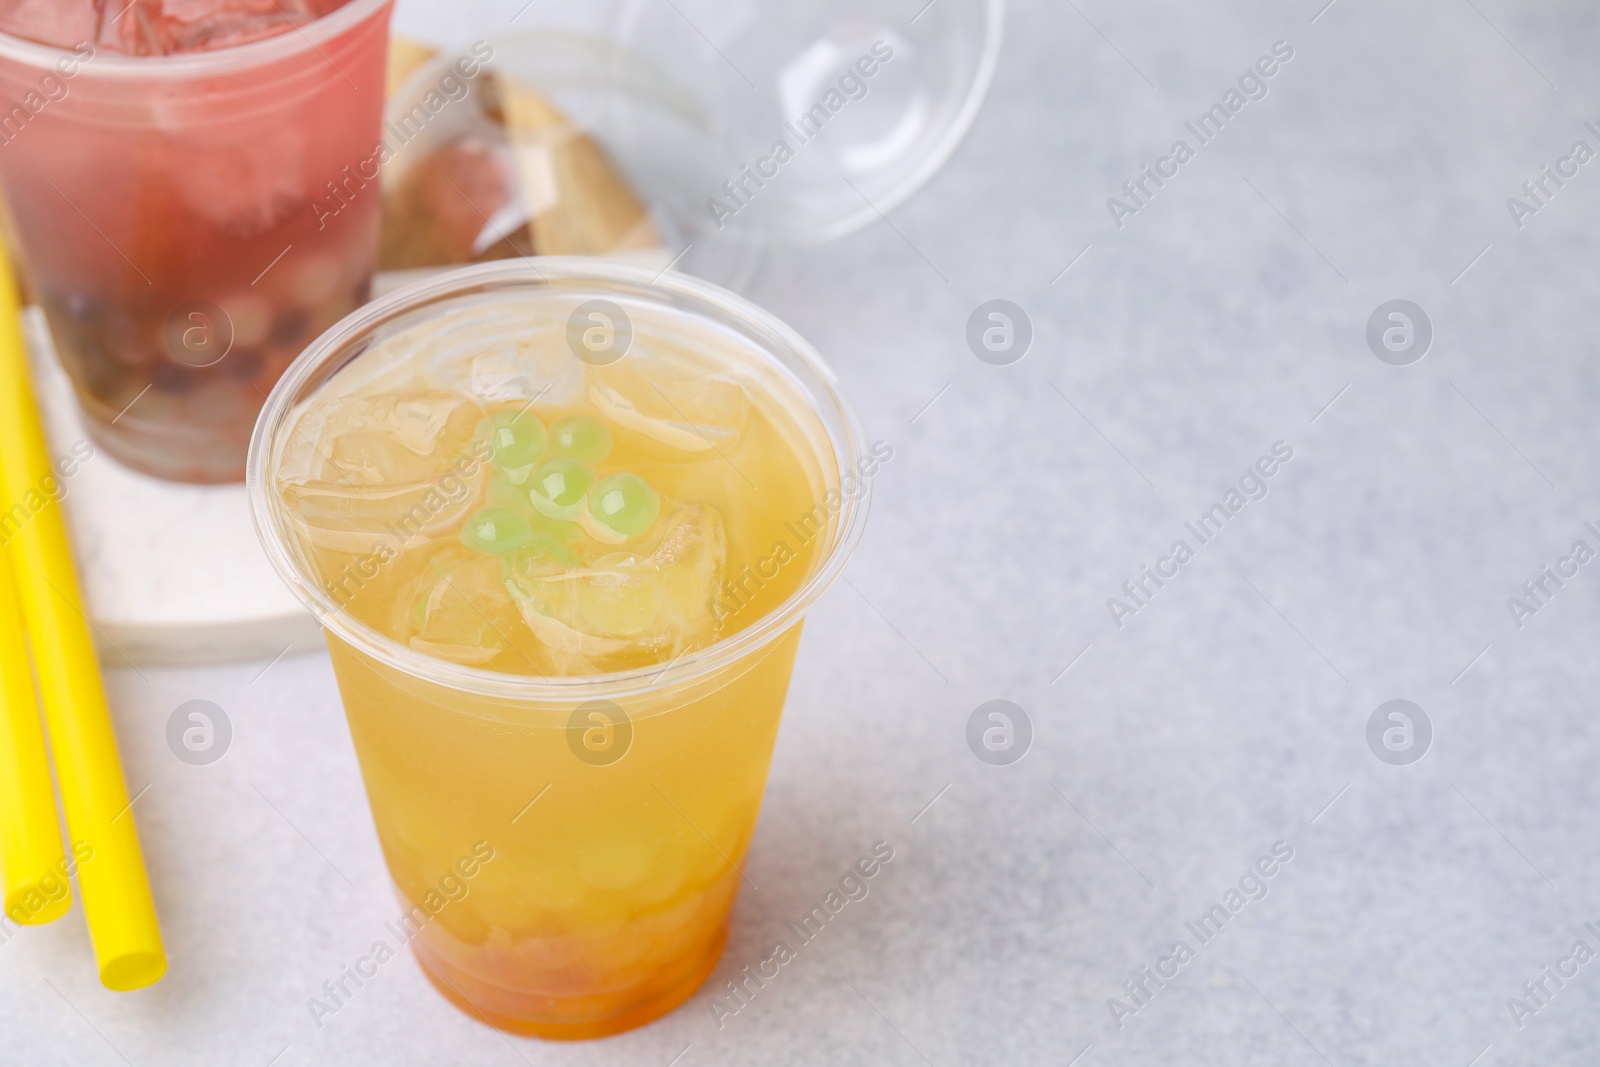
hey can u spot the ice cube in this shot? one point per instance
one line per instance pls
(517, 354)
(494, 352)
(358, 469)
(244, 178)
(169, 26)
(349, 517)
(654, 599)
(157, 27)
(436, 425)
(672, 402)
(377, 459)
(458, 609)
(250, 316)
(50, 21)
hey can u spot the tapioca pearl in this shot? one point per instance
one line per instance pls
(496, 532)
(559, 488)
(289, 327)
(516, 441)
(122, 338)
(278, 361)
(223, 403)
(132, 354)
(244, 364)
(81, 306)
(94, 356)
(581, 438)
(552, 540)
(315, 278)
(330, 310)
(71, 332)
(326, 316)
(172, 378)
(109, 384)
(153, 407)
(621, 508)
(252, 318)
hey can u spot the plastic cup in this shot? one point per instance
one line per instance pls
(567, 850)
(191, 221)
(741, 133)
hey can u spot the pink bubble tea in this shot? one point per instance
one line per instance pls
(193, 185)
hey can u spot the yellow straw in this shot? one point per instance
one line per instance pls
(34, 867)
(111, 875)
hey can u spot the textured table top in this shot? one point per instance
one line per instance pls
(1186, 737)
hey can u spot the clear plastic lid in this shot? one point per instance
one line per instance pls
(819, 116)
(691, 132)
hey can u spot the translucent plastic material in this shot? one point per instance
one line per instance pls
(701, 130)
(190, 222)
(566, 846)
(820, 115)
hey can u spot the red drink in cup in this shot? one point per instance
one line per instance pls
(194, 188)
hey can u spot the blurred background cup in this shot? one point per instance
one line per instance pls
(567, 850)
(190, 221)
(702, 133)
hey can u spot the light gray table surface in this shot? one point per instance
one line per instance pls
(1227, 714)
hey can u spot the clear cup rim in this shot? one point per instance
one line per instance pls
(933, 159)
(848, 443)
(198, 64)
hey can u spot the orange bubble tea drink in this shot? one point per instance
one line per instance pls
(561, 521)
